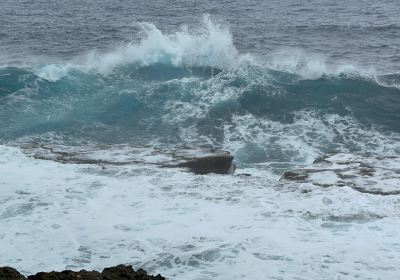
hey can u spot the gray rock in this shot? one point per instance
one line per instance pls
(366, 174)
(196, 160)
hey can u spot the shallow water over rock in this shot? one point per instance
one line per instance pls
(379, 175)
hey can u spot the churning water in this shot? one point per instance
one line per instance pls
(277, 83)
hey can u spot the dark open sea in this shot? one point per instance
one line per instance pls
(277, 83)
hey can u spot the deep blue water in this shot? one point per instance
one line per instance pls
(189, 72)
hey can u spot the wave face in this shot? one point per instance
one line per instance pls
(194, 87)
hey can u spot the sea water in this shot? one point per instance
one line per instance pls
(277, 83)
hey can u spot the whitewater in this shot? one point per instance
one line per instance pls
(192, 87)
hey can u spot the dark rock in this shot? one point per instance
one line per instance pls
(376, 191)
(295, 175)
(66, 275)
(9, 273)
(217, 162)
(120, 272)
(244, 175)
(125, 272)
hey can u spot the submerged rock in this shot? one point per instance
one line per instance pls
(196, 160)
(120, 272)
(366, 174)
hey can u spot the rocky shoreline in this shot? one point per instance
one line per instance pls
(193, 159)
(366, 174)
(119, 272)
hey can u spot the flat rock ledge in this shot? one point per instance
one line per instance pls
(365, 174)
(119, 272)
(193, 159)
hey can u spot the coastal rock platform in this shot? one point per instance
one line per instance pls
(193, 159)
(366, 174)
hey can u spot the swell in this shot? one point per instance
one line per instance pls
(193, 86)
(134, 97)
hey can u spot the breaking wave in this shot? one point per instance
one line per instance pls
(193, 86)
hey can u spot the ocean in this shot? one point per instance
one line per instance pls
(279, 84)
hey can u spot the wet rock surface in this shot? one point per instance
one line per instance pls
(9, 273)
(120, 272)
(203, 161)
(366, 174)
(196, 160)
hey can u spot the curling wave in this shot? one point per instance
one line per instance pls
(193, 86)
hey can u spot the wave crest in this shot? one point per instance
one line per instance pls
(313, 66)
(210, 44)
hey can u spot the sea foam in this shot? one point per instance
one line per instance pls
(209, 44)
